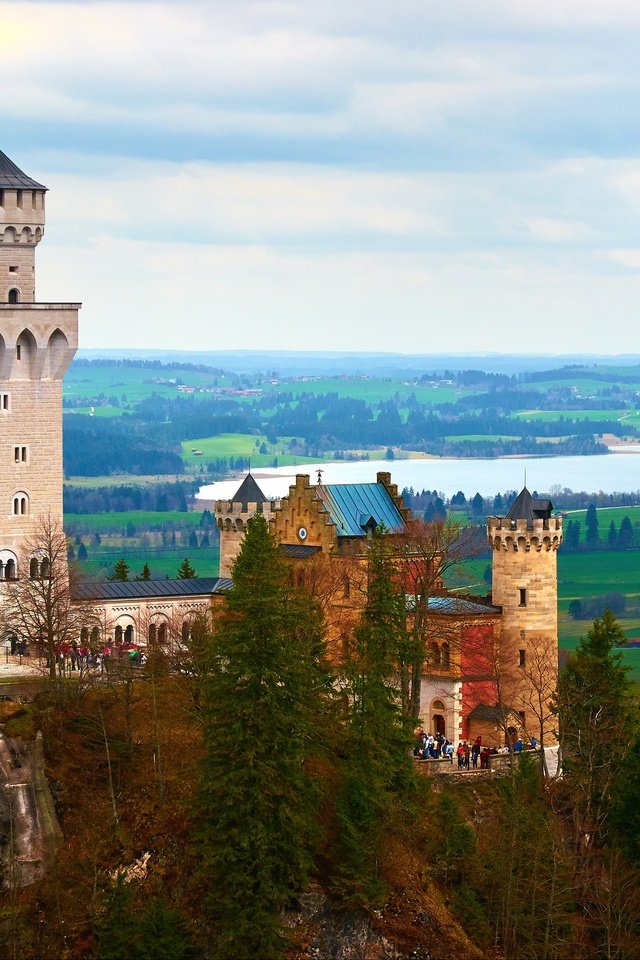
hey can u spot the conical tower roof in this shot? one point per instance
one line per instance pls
(248, 492)
(12, 177)
(526, 507)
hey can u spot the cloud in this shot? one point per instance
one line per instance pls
(251, 170)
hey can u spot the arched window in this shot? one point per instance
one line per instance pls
(186, 631)
(152, 633)
(435, 655)
(14, 296)
(34, 568)
(10, 570)
(84, 635)
(20, 505)
(118, 634)
(346, 588)
(128, 634)
(1, 570)
(95, 636)
(446, 655)
(162, 633)
(45, 568)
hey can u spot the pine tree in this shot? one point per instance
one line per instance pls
(145, 573)
(120, 570)
(186, 571)
(597, 718)
(379, 766)
(260, 697)
(591, 525)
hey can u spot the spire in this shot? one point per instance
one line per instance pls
(524, 507)
(12, 177)
(248, 492)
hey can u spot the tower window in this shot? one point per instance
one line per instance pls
(21, 454)
(1, 198)
(5, 404)
(523, 597)
(14, 296)
(20, 505)
(522, 658)
(19, 199)
(13, 269)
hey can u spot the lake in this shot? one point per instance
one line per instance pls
(617, 471)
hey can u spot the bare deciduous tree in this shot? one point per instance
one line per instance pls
(38, 605)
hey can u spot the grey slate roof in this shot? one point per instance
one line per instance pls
(526, 508)
(139, 589)
(456, 607)
(12, 177)
(298, 551)
(491, 714)
(248, 492)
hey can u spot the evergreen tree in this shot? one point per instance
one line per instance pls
(82, 552)
(145, 573)
(612, 536)
(116, 927)
(260, 704)
(591, 525)
(596, 720)
(572, 534)
(625, 538)
(162, 933)
(379, 766)
(120, 570)
(186, 571)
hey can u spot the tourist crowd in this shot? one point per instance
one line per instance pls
(438, 747)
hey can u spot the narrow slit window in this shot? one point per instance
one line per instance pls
(523, 596)
(20, 454)
(5, 404)
(522, 658)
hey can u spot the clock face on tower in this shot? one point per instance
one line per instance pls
(302, 533)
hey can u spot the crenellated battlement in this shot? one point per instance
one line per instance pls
(538, 535)
(233, 516)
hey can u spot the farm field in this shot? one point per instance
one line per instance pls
(239, 445)
(551, 416)
(163, 563)
(142, 519)
(605, 516)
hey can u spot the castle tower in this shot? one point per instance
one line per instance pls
(232, 517)
(524, 547)
(37, 343)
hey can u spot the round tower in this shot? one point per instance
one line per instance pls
(524, 547)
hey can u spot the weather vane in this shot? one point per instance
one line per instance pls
(319, 476)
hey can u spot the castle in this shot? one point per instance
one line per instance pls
(490, 666)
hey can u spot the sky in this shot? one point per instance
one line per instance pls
(348, 175)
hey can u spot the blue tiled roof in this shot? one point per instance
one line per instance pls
(353, 507)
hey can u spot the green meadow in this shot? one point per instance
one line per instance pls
(225, 445)
(551, 416)
(605, 517)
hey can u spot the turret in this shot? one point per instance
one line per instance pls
(21, 229)
(232, 517)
